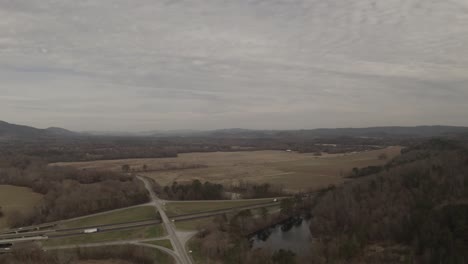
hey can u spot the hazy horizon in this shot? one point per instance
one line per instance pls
(188, 130)
(132, 66)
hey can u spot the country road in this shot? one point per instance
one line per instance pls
(179, 248)
(126, 242)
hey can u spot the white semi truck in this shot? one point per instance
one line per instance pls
(91, 230)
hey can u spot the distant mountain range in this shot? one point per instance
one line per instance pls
(13, 131)
(373, 132)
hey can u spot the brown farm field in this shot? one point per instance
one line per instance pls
(116, 261)
(296, 171)
(14, 198)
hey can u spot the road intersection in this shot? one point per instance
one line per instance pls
(178, 239)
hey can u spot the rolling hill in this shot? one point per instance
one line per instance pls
(10, 131)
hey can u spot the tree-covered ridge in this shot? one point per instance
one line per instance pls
(413, 210)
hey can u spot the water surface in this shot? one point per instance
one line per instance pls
(294, 237)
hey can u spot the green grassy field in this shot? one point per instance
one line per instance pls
(194, 245)
(162, 257)
(122, 216)
(157, 255)
(105, 261)
(163, 243)
(14, 198)
(129, 234)
(296, 171)
(193, 225)
(178, 208)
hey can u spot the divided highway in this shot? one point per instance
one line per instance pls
(47, 231)
(11, 235)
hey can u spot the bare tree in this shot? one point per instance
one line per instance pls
(125, 168)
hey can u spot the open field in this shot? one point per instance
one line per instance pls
(163, 243)
(128, 215)
(178, 208)
(195, 246)
(112, 261)
(193, 225)
(129, 234)
(162, 257)
(14, 198)
(295, 171)
(157, 255)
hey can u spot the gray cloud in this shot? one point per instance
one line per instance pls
(149, 64)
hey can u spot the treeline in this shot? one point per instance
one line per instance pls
(166, 166)
(249, 190)
(88, 148)
(415, 210)
(196, 190)
(31, 254)
(69, 192)
(366, 171)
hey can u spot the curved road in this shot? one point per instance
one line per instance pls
(128, 242)
(178, 246)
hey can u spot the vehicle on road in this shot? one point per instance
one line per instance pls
(91, 230)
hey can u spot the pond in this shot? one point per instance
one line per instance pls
(292, 235)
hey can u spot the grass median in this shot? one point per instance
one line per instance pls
(179, 208)
(162, 243)
(111, 236)
(121, 216)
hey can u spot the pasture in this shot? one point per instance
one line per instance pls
(187, 207)
(163, 243)
(120, 216)
(295, 171)
(14, 198)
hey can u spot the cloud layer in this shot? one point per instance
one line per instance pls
(203, 64)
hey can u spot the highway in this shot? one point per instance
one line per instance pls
(56, 233)
(186, 217)
(67, 232)
(48, 226)
(178, 239)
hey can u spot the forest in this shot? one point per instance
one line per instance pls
(415, 209)
(68, 192)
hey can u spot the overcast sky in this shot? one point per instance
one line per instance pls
(136, 65)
